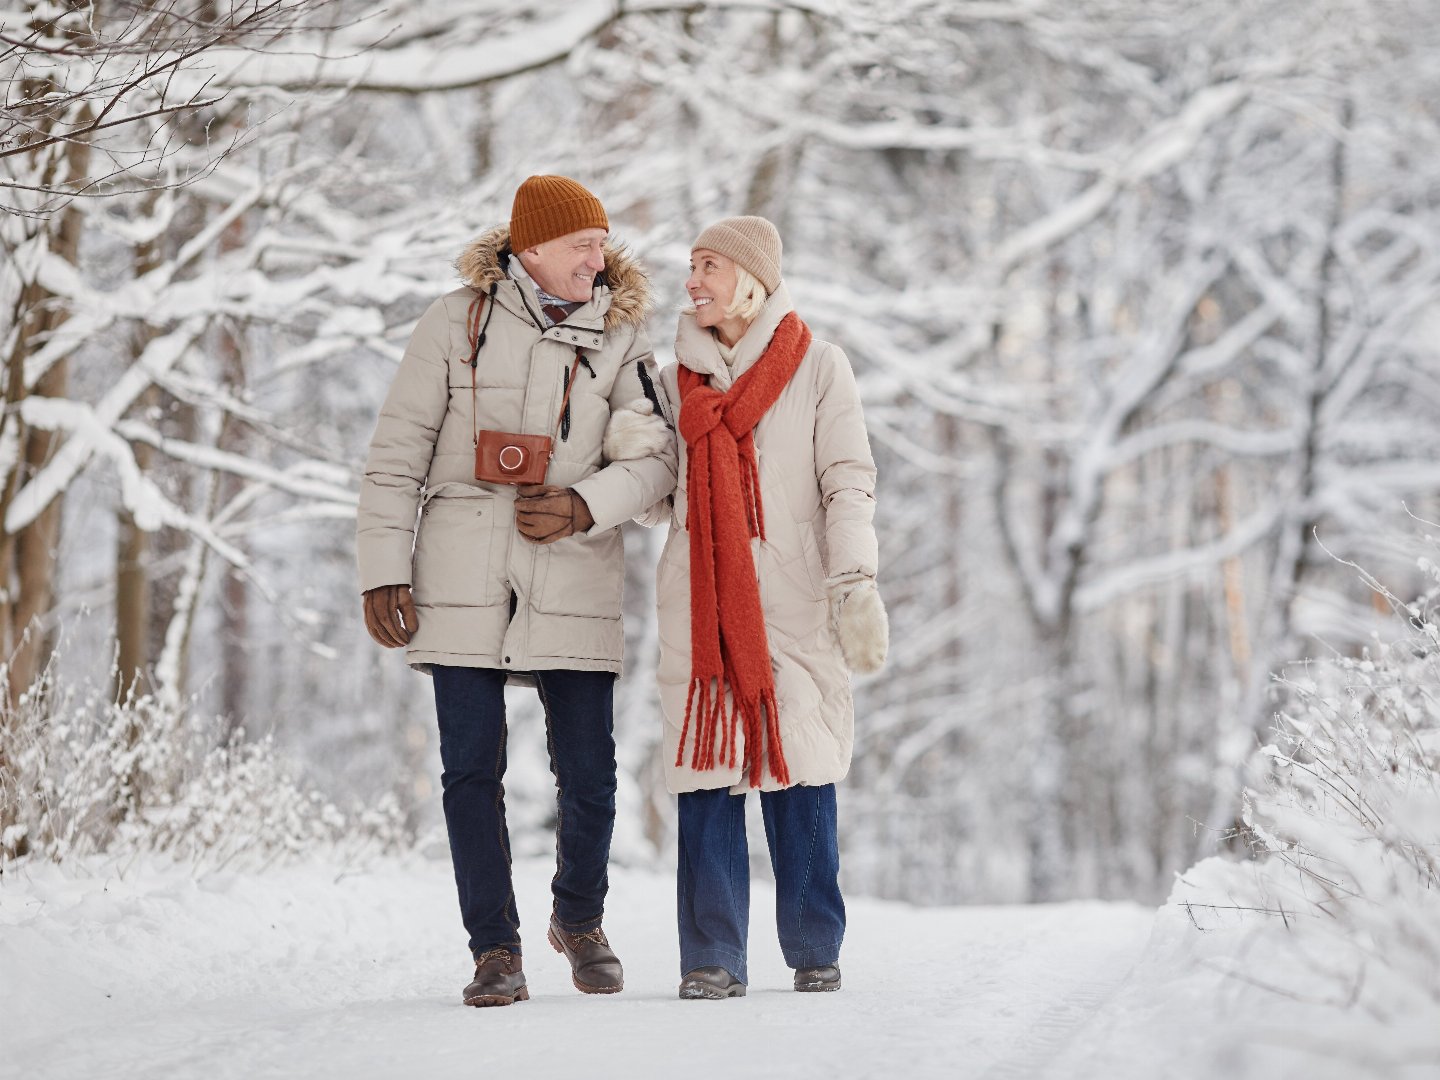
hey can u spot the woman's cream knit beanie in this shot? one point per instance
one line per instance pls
(752, 242)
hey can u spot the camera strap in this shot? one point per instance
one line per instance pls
(476, 336)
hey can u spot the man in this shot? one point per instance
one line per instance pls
(497, 583)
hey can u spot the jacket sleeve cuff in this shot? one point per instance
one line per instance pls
(384, 560)
(623, 490)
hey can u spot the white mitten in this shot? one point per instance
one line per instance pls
(635, 432)
(861, 624)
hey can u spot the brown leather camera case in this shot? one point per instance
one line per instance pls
(503, 457)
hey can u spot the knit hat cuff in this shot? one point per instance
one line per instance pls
(751, 241)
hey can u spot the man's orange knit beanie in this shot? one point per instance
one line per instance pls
(549, 206)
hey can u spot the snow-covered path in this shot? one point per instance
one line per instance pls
(297, 974)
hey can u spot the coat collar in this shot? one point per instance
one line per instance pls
(699, 351)
(620, 298)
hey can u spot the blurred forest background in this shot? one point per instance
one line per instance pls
(1141, 295)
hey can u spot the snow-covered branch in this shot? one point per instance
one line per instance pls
(307, 480)
(1163, 148)
(149, 506)
(468, 50)
(1232, 442)
(93, 430)
(1107, 586)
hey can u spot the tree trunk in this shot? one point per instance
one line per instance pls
(235, 599)
(132, 577)
(29, 555)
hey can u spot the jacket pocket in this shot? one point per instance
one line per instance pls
(795, 567)
(454, 548)
(796, 692)
(584, 575)
(814, 563)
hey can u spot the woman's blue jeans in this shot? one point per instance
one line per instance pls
(713, 883)
(579, 725)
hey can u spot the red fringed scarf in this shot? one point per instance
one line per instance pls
(728, 645)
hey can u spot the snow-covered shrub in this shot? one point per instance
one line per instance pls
(82, 773)
(1344, 817)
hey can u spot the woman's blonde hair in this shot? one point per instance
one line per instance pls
(749, 296)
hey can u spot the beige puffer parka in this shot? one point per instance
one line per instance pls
(484, 595)
(817, 488)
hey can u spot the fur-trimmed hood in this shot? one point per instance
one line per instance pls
(630, 299)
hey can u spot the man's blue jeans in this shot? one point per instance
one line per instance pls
(713, 883)
(579, 724)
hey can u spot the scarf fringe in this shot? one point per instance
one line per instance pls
(706, 704)
(685, 728)
(750, 487)
(766, 714)
(710, 699)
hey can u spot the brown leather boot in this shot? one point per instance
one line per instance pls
(498, 979)
(594, 967)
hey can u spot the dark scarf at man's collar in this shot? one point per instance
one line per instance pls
(555, 308)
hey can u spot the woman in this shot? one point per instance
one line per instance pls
(766, 593)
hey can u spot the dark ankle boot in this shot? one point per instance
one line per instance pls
(818, 979)
(710, 984)
(498, 979)
(594, 967)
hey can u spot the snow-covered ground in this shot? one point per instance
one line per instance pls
(320, 971)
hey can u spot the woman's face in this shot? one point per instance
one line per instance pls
(711, 286)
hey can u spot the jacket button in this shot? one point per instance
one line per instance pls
(507, 659)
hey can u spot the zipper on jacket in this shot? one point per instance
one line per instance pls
(526, 295)
(571, 375)
(648, 386)
(505, 256)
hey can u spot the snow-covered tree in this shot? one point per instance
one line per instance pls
(1140, 295)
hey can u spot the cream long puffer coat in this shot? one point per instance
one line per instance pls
(817, 487)
(484, 595)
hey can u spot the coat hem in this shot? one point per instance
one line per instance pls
(738, 783)
(423, 661)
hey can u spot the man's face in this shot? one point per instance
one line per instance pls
(566, 266)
